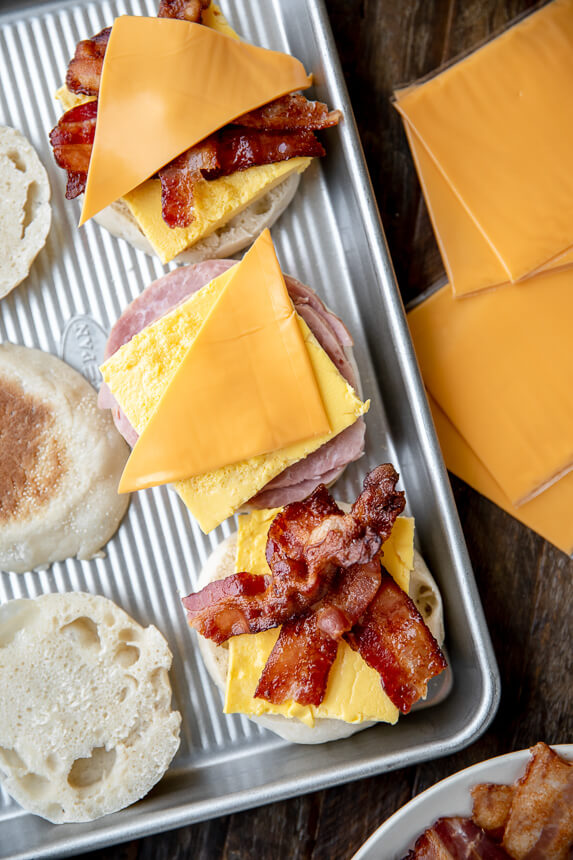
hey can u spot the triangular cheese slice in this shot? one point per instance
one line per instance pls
(166, 85)
(548, 514)
(498, 125)
(245, 387)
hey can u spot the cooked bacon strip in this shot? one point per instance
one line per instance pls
(491, 807)
(540, 823)
(393, 639)
(225, 152)
(299, 664)
(72, 140)
(455, 839)
(184, 10)
(308, 543)
(84, 71)
(292, 112)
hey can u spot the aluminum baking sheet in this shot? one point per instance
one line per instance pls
(331, 238)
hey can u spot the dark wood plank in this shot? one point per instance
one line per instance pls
(524, 583)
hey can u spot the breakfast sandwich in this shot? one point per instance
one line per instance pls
(320, 619)
(188, 171)
(234, 383)
(61, 461)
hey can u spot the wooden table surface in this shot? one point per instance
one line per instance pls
(524, 582)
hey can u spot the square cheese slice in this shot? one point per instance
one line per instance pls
(499, 126)
(354, 692)
(499, 364)
(548, 514)
(470, 262)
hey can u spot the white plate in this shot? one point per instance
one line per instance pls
(451, 796)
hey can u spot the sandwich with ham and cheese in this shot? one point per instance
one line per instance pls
(235, 384)
(318, 620)
(192, 171)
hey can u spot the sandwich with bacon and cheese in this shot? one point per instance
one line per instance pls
(318, 620)
(194, 170)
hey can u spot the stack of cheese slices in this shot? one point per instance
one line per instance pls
(492, 139)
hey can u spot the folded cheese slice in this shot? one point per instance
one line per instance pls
(354, 692)
(167, 84)
(499, 365)
(139, 372)
(498, 125)
(548, 514)
(245, 387)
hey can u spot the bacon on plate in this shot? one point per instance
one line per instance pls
(531, 819)
(455, 839)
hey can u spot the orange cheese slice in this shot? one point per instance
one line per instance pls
(469, 260)
(499, 364)
(499, 126)
(245, 387)
(166, 85)
(548, 514)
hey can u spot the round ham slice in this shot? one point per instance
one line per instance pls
(323, 466)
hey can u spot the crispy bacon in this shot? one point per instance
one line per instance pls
(84, 71)
(455, 839)
(308, 542)
(227, 151)
(184, 10)
(540, 822)
(533, 817)
(491, 807)
(393, 639)
(326, 583)
(292, 112)
(72, 141)
(300, 662)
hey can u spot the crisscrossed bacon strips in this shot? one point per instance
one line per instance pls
(325, 582)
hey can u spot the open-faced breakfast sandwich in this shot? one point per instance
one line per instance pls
(184, 140)
(318, 620)
(235, 384)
